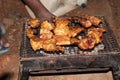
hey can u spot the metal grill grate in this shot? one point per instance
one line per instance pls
(108, 45)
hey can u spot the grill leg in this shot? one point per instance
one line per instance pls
(116, 70)
(116, 73)
(23, 74)
(116, 67)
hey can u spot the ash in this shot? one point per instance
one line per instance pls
(74, 50)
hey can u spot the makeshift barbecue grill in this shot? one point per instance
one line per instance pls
(103, 57)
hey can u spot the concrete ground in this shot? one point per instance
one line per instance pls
(13, 15)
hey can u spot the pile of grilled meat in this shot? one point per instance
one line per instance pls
(56, 33)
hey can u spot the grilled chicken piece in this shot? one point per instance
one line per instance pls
(61, 21)
(85, 22)
(34, 23)
(99, 31)
(49, 45)
(30, 32)
(96, 33)
(62, 40)
(92, 38)
(86, 43)
(45, 31)
(75, 30)
(93, 19)
(82, 20)
(45, 34)
(36, 43)
(60, 48)
(62, 27)
(74, 41)
(47, 25)
(88, 21)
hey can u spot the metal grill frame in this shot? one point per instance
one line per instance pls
(106, 60)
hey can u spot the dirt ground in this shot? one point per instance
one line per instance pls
(13, 15)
